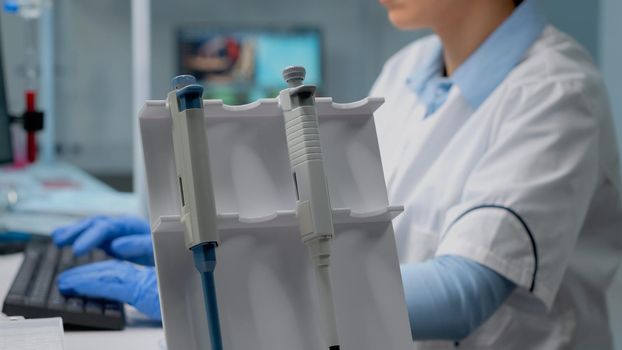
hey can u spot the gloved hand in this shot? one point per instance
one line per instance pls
(115, 280)
(124, 237)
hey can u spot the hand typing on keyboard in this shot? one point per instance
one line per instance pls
(125, 238)
(34, 294)
(116, 280)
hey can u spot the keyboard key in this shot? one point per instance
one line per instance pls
(93, 307)
(26, 272)
(66, 259)
(74, 304)
(45, 275)
(56, 300)
(36, 300)
(112, 310)
(99, 255)
(56, 303)
(83, 260)
(14, 299)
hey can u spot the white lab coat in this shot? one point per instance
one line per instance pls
(528, 185)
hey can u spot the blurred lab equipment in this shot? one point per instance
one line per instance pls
(240, 64)
(32, 118)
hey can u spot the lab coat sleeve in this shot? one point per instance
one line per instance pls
(525, 201)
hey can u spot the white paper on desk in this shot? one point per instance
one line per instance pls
(34, 334)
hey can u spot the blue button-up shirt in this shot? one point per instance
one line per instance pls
(486, 68)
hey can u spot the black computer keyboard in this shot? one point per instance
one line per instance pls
(34, 292)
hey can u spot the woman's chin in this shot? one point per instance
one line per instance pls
(402, 21)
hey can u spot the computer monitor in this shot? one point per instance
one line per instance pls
(242, 65)
(6, 153)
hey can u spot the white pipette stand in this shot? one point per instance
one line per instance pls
(265, 281)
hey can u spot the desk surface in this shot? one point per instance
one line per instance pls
(138, 335)
(59, 194)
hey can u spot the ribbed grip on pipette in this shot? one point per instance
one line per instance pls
(303, 137)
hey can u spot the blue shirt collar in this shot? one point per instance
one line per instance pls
(486, 68)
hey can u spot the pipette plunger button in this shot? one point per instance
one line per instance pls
(181, 81)
(294, 75)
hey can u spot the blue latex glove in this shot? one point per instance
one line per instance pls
(124, 237)
(115, 280)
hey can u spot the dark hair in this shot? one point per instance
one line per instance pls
(518, 2)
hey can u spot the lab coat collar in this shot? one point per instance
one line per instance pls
(487, 67)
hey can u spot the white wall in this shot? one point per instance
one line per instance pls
(579, 18)
(611, 55)
(611, 63)
(13, 45)
(94, 102)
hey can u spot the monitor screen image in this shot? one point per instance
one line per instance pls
(241, 66)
